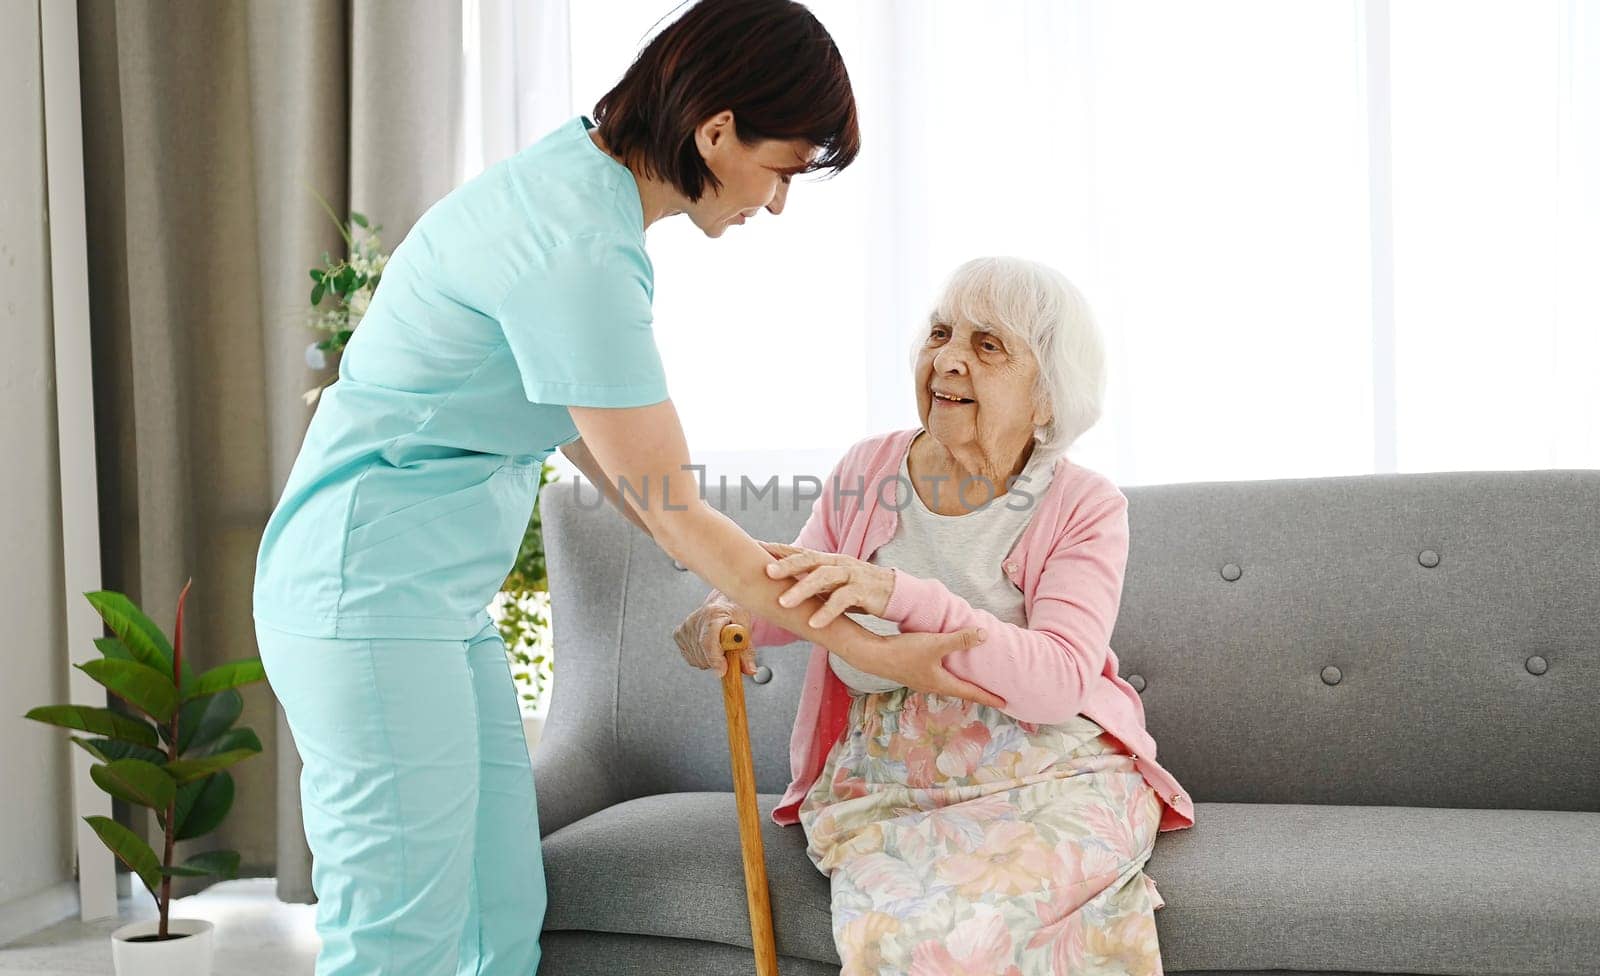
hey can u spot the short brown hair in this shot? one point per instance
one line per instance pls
(769, 61)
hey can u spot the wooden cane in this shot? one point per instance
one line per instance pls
(733, 639)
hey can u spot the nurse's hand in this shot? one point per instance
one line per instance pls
(916, 660)
(699, 636)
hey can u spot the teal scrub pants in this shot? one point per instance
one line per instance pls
(418, 802)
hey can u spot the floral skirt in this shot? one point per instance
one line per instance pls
(959, 840)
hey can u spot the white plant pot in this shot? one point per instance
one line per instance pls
(188, 956)
(532, 729)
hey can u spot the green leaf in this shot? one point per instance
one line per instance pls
(237, 739)
(114, 649)
(230, 675)
(100, 721)
(92, 747)
(344, 335)
(143, 638)
(317, 291)
(358, 218)
(188, 770)
(130, 849)
(222, 863)
(128, 622)
(203, 720)
(317, 275)
(136, 781)
(110, 750)
(202, 805)
(143, 687)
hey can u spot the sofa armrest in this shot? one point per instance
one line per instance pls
(575, 767)
(572, 780)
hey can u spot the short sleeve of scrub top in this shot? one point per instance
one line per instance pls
(549, 319)
(523, 292)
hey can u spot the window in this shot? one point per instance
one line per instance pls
(1320, 238)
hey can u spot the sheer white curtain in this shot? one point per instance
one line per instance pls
(517, 78)
(1497, 233)
(1322, 238)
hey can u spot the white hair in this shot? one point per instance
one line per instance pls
(1038, 305)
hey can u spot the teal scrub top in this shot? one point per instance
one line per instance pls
(523, 292)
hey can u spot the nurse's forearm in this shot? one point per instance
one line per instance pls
(578, 453)
(719, 552)
(643, 451)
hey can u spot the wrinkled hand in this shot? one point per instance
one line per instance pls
(845, 583)
(917, 661)
(699, 636)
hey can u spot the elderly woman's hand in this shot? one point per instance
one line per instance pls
(699, 636)
(849, 584)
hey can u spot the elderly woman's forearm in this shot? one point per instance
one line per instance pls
(1043, 672)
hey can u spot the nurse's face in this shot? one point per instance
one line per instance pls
(754, 177)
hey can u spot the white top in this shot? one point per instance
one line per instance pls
(965, 552)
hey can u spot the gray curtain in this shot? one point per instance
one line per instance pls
(204, 124)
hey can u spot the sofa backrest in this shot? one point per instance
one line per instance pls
(1414, 639)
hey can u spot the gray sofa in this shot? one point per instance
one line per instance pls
(1383, 691)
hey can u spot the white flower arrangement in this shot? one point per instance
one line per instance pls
(342, 289)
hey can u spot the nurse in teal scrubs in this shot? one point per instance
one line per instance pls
(515, 319)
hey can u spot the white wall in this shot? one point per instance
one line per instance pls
(35, 802)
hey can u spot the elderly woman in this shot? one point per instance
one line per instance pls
(961, 838)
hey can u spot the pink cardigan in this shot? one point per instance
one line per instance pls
(1068, 564)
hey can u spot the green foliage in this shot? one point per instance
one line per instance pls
(110, 750)
(100, 721)
(346, 283)
(170, 757)
(524, 609)
(188, 770)
(145, 688)
(130, 849)
(201, 806)
(136, 632)
(528, 573)
(222, 863)
(138, 782)
(203, 721)
(230, 675)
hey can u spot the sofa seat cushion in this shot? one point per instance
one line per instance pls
(670, 865)
(1250, 887)
(1380, 889)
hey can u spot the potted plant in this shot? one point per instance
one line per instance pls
(168, 751)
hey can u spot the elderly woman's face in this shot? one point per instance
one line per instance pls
(975, 389)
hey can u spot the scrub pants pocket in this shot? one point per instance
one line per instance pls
(418, 802)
